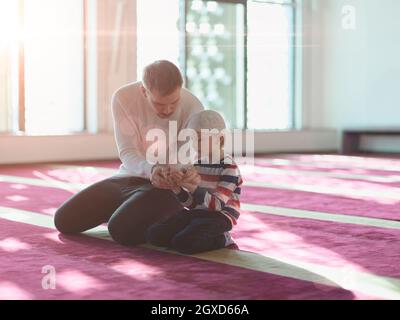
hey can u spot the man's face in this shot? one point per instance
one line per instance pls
(164, 106)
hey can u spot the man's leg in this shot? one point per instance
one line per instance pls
(160, 234)
(205, 232)
(91, 206)
(147, 205)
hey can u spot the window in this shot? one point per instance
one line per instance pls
(158, 36)
(237, 55)
(9, 34)
(270, 60)
(215, 52)
(44, 72)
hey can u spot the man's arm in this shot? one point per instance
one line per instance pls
(128, 141)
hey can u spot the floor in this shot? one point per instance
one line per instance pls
(312, 227)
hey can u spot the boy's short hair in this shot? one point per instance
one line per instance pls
(162, 76)
(207, 119)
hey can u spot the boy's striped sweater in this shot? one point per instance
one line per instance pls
(219, 189)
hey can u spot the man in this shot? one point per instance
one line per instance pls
(137, 196)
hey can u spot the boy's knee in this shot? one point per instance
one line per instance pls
(185, 244)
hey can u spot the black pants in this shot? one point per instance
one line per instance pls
(129, 205)
(190, 232)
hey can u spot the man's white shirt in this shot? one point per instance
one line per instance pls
(133, 117)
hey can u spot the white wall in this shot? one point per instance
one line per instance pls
(31, 149)
(356, 73)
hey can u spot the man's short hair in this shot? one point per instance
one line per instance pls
(162, 76)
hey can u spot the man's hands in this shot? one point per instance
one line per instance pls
(167, 177)
(159, 179)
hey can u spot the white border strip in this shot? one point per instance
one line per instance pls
(328, 164)
(249, 169)
(322, 216)
(347, 176)
(392, 194)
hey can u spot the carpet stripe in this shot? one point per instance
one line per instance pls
(392, 195)
(328, 165)
(273, 210)
(366, 283)
(246, 169)
(346, 176)
(52, 183)
(323, 216)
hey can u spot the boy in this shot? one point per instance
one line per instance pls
(210, 193)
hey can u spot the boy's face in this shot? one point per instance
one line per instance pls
(210, 145)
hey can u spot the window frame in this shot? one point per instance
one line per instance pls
(183, 63)
(21, 73)
(184, 4)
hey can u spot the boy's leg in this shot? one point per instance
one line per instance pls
(161, 233)
(205, 232)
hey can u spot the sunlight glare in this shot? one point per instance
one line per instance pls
(9, 24)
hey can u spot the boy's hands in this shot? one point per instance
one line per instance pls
(191, 180)
(174, 177)
(187, 178)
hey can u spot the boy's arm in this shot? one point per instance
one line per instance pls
(230, 179)
(180, 176)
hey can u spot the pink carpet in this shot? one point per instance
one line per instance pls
(99, 269)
